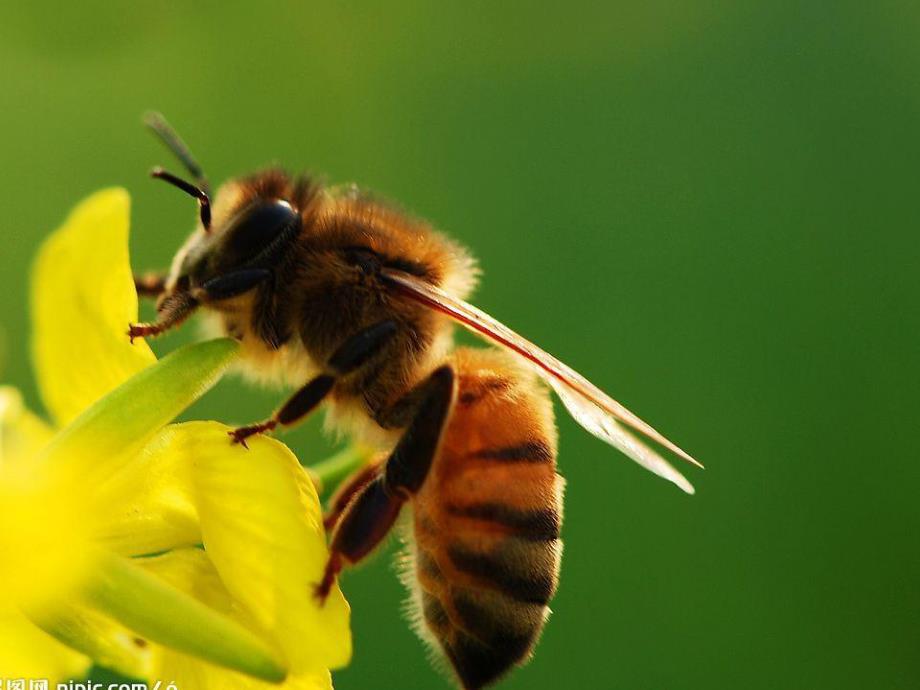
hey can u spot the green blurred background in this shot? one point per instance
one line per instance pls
(708, 207)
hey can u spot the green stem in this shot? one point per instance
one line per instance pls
(160, 613)
(98, 637)
(333, 470)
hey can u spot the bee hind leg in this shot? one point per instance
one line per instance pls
(408, 464)
(350, 488)
(365, 523)
(369, 515)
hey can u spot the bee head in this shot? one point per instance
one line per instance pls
(249, 239)
(246, 242)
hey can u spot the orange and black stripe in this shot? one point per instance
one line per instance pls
(535, 524)
(529, 451)
(488, 519)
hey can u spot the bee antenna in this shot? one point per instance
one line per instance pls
(204, 203)
(165, 133)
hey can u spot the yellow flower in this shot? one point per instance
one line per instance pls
(158, 550)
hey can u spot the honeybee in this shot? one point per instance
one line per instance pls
(353, 302)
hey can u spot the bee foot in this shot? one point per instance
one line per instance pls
(240, 434)
(322, 590)
(143, 330)
(321, 593)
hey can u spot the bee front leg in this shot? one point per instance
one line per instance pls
(368, 517)
(351, 355)
(171, 311)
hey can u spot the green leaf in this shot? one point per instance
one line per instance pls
(103, 640)
(163, 614)
(117, 426)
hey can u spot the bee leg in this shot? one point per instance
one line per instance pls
(231, 284)
(409, 462)
(296, 408)
(172, 310)
(354, 352)
(360, 347)
(365, 523)
(150, 284)
(350, 488)
(368, 517)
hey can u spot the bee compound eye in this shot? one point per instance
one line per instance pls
(260, 225)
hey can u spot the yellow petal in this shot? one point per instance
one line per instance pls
(44, 531)
(44, 538)
(22, 434)
(51, 506)
(190, 570)
(28, 652)
(261, 526)
(148, 506)
(83, 298)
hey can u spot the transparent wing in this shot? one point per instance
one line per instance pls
(593, 409)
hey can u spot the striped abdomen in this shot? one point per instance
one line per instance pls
(487, 521)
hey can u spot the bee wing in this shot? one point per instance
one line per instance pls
(593, 409)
